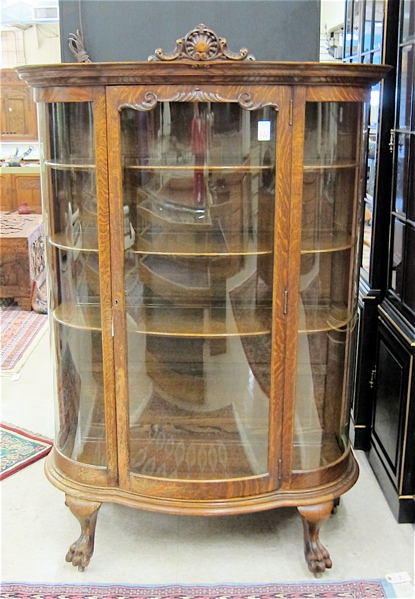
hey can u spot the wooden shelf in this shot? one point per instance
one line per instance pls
(319, 320)
(330, 242)
(61, 241)
(79, 316)
(198, 322)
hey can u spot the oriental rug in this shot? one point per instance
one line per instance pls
(359, 589)
(20, 332)
(19, 448)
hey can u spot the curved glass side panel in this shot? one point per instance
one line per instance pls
(74, 280)
(327, 301)
(198, 194)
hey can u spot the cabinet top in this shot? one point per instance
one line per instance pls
(198, 73)
(199, 57)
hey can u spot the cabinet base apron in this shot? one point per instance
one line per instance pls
(315, 506)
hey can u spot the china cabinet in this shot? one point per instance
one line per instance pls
(383, 411)
(201, 214)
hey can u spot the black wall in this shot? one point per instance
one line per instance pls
(130, 30)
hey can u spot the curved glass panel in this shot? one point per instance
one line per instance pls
(327, 301)
(198, 195)
(73, 259)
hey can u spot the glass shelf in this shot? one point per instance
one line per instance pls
(205, 167)
(329, 242)
(199, 322)
(79, 316)
(62, 242)
(315, 166)
(169, 215)
(69, 165)
(209, 245)
(316, 319)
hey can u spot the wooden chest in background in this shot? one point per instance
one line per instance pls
(22, 260)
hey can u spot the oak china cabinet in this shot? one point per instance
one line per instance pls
(201, 212)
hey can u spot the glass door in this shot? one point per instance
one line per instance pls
(402, 258)
(328, 286)
(74, 181)
(198, 185)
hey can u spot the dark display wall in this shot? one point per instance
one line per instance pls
(119, 30)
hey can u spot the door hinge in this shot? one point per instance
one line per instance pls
(279, 469)
(285, 309)
(291, 112)
(372, 378)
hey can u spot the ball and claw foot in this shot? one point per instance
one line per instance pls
(80, 552)
(316, 555)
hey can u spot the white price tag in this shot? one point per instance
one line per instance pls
(398, 577)
(264, 130)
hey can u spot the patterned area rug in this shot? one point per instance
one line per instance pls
(20, 333)
(19, 448)
(360, 589)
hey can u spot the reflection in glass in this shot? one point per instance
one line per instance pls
(402, 172)
(367, 234)
(348, 30)
(406, 86)
(80, 422)
(74, 207)
(199, 190)
(357, 8)
(330, 137)
(372, 149)
(327, 302)
(409, 278)
(367, 38)
(379, 21)
(397, 256)
(408, 20)
(410, 203)
(71, 135)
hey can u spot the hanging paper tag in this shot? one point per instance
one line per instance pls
(264, 130)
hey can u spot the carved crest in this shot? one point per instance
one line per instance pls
(201, 44)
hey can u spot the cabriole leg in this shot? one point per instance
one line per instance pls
(86, 512)
(316, 555)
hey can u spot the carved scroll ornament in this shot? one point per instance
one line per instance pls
(201, 44)
(150, 99)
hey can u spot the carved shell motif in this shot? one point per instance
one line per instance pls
(201, 44)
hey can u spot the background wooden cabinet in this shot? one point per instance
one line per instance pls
(16, 189)
(18, 110)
